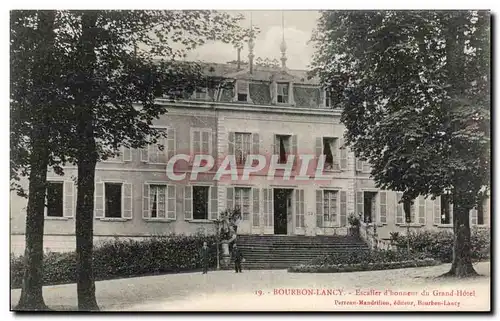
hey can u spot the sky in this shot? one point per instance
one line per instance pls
(298, 30)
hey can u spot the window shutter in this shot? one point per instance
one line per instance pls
(437, 210)
(413, 216)
(255, 146)
(473, 216)
(276, 145)
(68, 199)
(145, 201)
(294, 145)
(145, 153)
(231, 143)
(127, 200)
(99, 200)
(270, 208)
(360, 205)
(171, 200)
(188, 203)
(343, 208)
(297, 208)
(230, 198)
(343, 155)
(383, 207)
(256, 207)
(319, 208)
(255, 143)
(127, 154)
(170, 143)
(359, 165)
(214, 210)
(195, 142)
(266, 206)
(421, 210)
(399, 209)
(319, 146)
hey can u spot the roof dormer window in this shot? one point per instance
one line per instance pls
(283, 93)
(242, 91)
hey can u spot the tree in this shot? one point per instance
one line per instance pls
(414, 88)
(34, 82)
(108, 95)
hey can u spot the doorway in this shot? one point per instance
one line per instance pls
(282, 210)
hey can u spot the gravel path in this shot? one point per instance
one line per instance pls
(259, 290)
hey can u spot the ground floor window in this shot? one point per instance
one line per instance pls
(157, 200)
(55, 199)
(242, 201)
(330, 205)
(113, 200)
(446, 209)
(369, 201)
(200, 202)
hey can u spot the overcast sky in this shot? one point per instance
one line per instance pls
(298, 30)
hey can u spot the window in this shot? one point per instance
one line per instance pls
(157, 201)
(113, 200)
(55, 199)
(282, 147)
(242, 201)
(201, 141)
(200, 202)
(242, 147)
(328, 98)
(330, 152)
(446, 208)
(242, 90)
(283, 93)
(409, 210)
(330, 199)
(369, 200)
(480, 213)
(158, 152)
(200, 93)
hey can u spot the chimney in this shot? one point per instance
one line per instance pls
(250, 46)
(283, 43)
(238, 59)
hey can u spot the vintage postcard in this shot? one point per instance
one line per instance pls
(259, 160)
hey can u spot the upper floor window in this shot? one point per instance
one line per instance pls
(242, 90)
(283, 93)
(282, 147)
(330, 151)
(242, 144)
(328, 99)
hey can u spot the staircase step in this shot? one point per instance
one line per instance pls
(282, 252)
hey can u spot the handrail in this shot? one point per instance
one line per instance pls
(368, 233)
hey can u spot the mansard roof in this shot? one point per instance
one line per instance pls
(260, 73)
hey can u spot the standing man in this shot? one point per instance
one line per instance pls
(204, 257)
(237, 257)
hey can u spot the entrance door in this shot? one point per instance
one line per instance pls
(282, 211)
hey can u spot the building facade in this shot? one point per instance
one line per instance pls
(269, 111)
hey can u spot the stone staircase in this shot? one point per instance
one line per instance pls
(283, 251)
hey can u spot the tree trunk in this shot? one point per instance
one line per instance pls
(31, 293)
(462, 262)
(86, 161)
(84, 235)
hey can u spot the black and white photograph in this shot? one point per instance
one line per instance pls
(250, 160)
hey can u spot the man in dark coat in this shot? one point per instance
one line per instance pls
(237, 257)
(204, 257)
